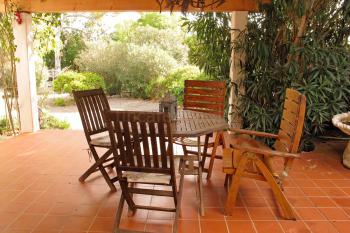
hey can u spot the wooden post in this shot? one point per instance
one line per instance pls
(26, 81)
(238, 23)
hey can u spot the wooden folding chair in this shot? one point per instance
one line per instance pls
(91, 105)
(250, 158)
(209, 97)
(148, 160)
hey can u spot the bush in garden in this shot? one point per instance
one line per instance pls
(69, 81)
(141, 51)
(59, 102)
(127, 67)
(287, 44)
(48, 121)
(174, 82)
(4, 126)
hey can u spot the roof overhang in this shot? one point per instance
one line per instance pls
(121, 5)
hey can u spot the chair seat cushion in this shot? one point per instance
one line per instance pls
(101, 141)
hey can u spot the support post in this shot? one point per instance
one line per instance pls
(239, 21)
(25, 68)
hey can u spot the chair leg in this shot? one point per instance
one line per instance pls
(200, 184)
(130, 211)
(119, 213)
(200, 180)
(287, 210)
(99, 164)
(93, 168)
(233, 190)
(218, 138)
(228, 181)
(179, 198)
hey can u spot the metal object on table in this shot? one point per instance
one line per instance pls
(169, 104)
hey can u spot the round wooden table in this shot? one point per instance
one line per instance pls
(195, 124)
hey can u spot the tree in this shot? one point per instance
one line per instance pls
(301, 44)
(155, 20)
(210, 45)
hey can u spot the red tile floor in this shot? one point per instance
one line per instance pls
(40, 192)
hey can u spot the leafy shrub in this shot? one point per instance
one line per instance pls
(73, 43)
(141, 51)
(315, 60)
(174, 82)
(286, 44)
(50, 122)
(69, 81)
(4, 127)
(127, 67)
(60, 102)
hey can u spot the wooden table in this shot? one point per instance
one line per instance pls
(195, 124)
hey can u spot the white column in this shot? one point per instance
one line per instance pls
(26, 81)
(238, 23)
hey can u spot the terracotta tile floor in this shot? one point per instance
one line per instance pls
(40, 192)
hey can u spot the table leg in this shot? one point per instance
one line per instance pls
(200, 181)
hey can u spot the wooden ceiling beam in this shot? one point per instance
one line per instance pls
(120, 5)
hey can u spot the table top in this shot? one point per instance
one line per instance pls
(195, 124)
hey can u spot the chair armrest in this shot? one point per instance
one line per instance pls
(252, 132)
(265, 151)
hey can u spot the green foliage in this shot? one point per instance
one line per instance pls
(127, 67)
(155, 20)
(141, 52)
(45, 26)
(50, 122)
(8, 76)
(290, 43)
(174, 82)
(69, 81)
(210, 45)
(4, 126)
(169, 40)
(61, 102)
(73, 44)
(282, 50)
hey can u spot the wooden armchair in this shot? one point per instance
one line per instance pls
(91, 105)
(209, 97)
(148, 160)
(250, 158)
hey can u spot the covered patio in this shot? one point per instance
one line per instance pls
(40, 169)
(40, 192)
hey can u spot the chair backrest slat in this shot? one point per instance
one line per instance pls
(137, 147)
(205, 96)
(153, 139)
(91, 105)
(142, 140)
(145, 146)
(292, 122)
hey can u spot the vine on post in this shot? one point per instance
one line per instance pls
(8, 77)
